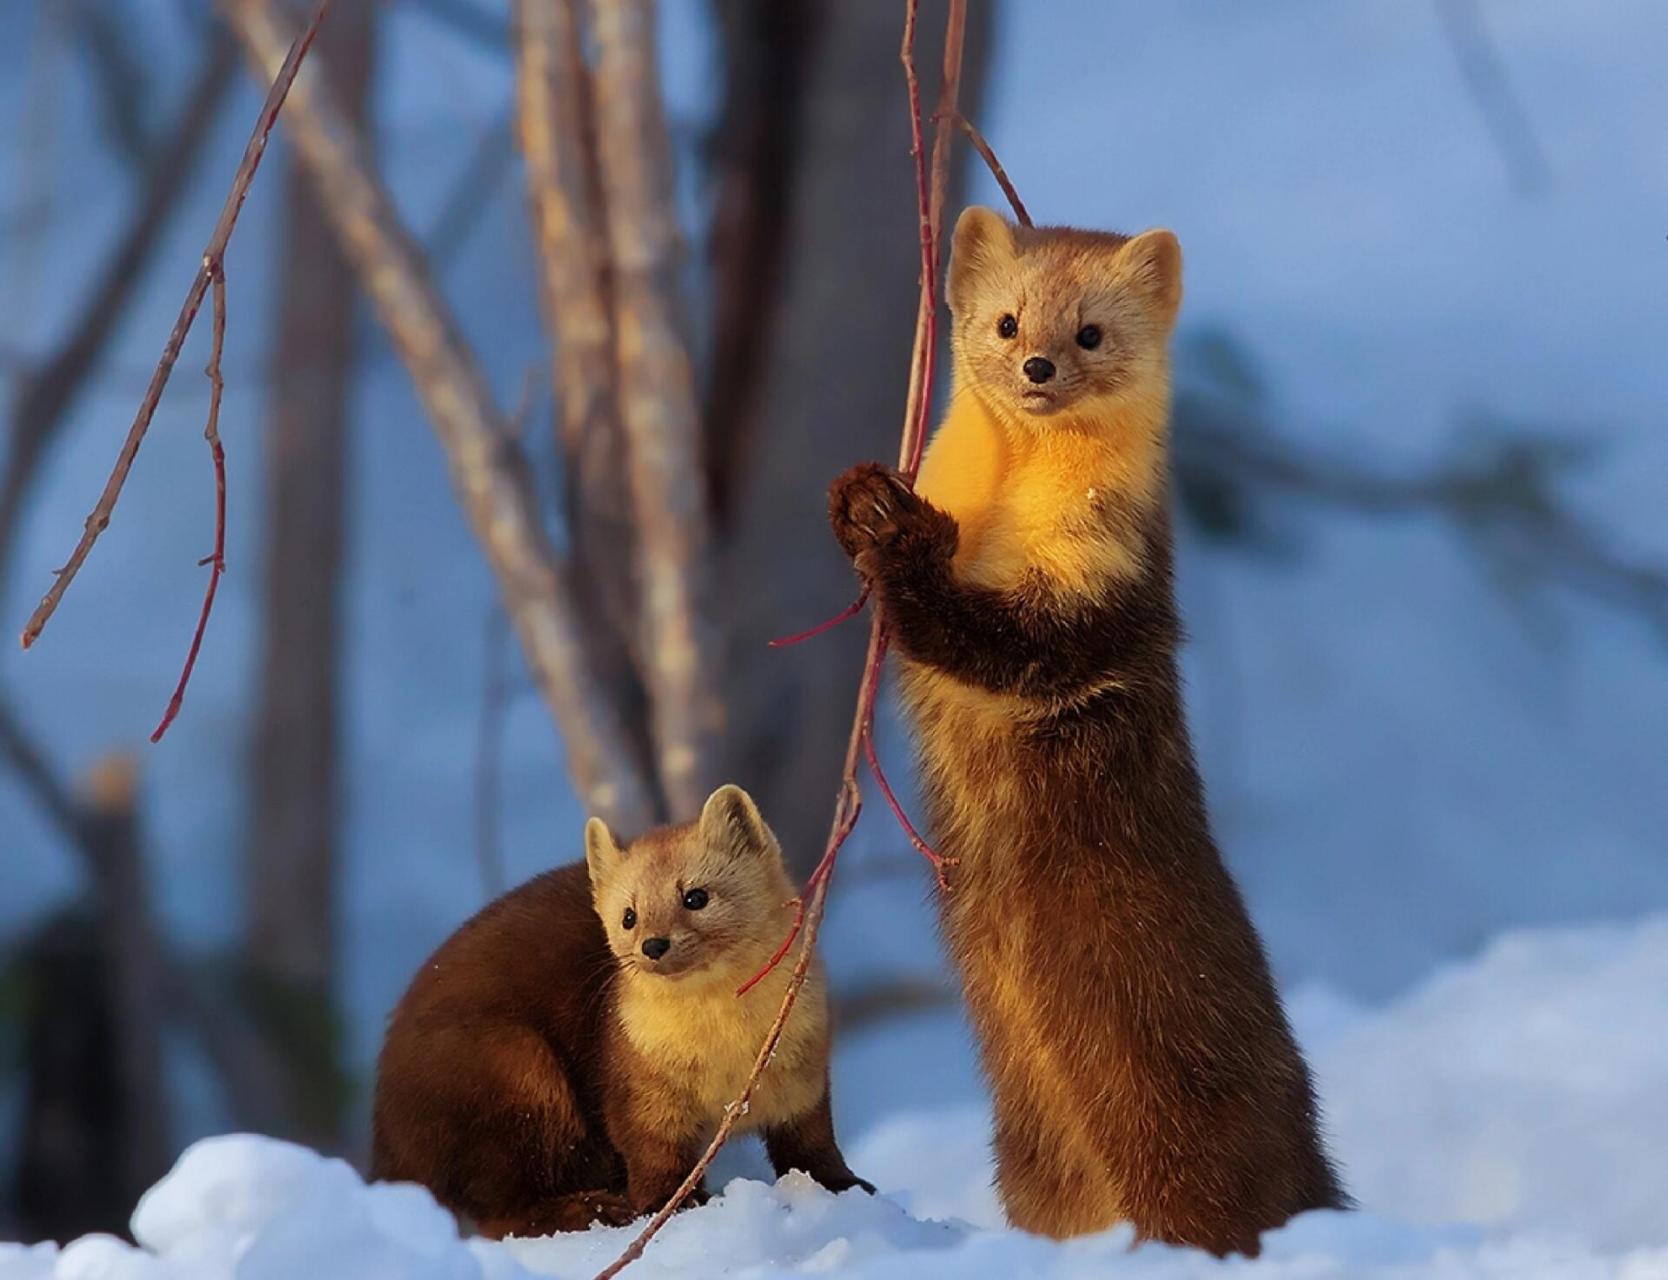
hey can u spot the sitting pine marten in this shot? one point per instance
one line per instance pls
(567, 1054)
(1141, 1065)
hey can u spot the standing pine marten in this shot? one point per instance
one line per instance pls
(1141, 1064)
(565, 1056)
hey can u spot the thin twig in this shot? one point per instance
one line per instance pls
(926, 318)
(213, 256)
(996, 169)
(827, 624)
(217, 455)
(48, 389)
(938, 860)
(849, 803)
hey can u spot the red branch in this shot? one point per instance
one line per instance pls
(217, 454)
(827, 624)
(996, 169)
(810, 906)
(212, 268)
(938, 860)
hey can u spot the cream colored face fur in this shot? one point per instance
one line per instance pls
(729, 855)
(1044, 288)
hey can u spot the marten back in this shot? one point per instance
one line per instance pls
(497, 1036)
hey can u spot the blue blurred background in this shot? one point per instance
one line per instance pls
(1419, 474)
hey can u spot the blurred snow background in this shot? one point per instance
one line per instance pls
(1408, 755)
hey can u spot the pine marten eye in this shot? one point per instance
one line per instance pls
(1006, 327)
(695, 899)
(629, 919)
(1088, 337)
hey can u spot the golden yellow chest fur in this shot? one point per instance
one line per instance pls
(1037, 499)
(699, 1045)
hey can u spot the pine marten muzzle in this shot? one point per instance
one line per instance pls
(567, 1054)
(1140, 1062)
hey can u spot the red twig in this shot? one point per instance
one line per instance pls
(926, 338)
(776, 958)
(217, 454)
(812, 902)
(996, 169)
(212, 263)
(827, 624)
(938, 860)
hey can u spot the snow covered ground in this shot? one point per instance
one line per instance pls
(1508, 1118)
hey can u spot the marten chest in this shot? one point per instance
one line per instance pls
(1043, 506)
(695, 1049)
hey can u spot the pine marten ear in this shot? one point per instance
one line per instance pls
(983, 242)
(602, 850)
(730, 820)
(1152, 263)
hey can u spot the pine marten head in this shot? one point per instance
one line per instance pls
(697, 899)
(1053, 321)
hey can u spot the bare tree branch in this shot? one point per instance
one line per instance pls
(849, 803)
(216, 559)
(488, 470)
(658, 407)
(213, 261)
(556, 123)
(48, 392)
(996, 170)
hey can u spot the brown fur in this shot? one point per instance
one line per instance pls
(543, 1072)
(1141, 1064)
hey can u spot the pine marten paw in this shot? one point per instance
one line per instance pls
(873, 509)
(845, 1182)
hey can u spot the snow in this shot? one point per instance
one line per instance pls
(1507, 1118)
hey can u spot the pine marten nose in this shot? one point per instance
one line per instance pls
(654, 948)
(1039, 368)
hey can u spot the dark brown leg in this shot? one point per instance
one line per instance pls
(807, 1143)
(573, 1212)
(656, 1165)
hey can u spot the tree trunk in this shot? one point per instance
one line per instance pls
(293, 849)
(833, 330)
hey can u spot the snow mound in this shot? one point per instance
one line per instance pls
(1508, 1119)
